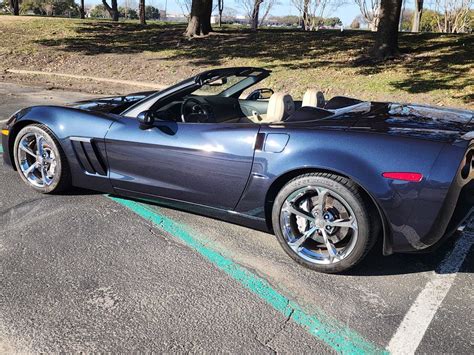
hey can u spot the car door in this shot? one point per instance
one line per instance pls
(202, 163)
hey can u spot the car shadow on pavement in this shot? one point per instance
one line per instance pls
(77, 191)
(376, 264)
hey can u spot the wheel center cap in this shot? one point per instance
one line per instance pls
(319, 223)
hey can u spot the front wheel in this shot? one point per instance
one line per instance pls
(40, 160)
(322, 222)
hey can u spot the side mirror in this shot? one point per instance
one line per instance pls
(146, 118)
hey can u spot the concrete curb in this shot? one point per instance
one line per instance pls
(81, 77)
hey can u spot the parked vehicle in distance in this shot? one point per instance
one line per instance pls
(327, 177)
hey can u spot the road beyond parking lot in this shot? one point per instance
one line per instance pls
(84, 272)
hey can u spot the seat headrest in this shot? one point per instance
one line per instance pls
(313, 98)
(280, 106)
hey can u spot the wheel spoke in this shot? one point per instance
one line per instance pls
(296, 211)
(27, 150)
(30, 169)
(299, 242)
(332, 251)
(343, 223)
(43, 176)
(39, 144)
(322, 195)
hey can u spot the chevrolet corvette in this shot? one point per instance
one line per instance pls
(328, 177)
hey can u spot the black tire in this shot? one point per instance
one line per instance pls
(366, 231)
(61, 180)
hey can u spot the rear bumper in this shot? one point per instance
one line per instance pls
(427, 226)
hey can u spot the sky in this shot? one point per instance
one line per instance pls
(345, 12)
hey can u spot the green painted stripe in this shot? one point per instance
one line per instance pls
(338, 336)
(1, 149)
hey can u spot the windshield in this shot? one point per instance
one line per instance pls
(219, 86)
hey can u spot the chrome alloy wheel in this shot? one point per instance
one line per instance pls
(36, 160)
(318, 225)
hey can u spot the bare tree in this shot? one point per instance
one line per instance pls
(453, 15)
(185, 6)
(386, 40)
(313, 10)
(255, 14)
(370, 10)
(305, 15)
(267, 7)
(220, 7)
(415, 27)
(253, 9)
(112, 9)
(229, 14)
(248, 7)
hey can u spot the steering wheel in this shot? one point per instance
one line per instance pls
(198, 110)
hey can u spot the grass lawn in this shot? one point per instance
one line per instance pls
(438, 69)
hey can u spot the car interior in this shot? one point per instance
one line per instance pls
(222, 100)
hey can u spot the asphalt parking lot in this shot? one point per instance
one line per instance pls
(87, 272)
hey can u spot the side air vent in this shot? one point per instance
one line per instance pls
(89, 155)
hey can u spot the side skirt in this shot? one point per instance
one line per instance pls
(212, 212)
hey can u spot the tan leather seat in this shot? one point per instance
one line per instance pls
(280, 106)
(313, 98)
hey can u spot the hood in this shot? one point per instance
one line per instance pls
(427, 122)
(114, 104)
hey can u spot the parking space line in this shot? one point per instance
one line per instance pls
(336, 335)
(411, 331)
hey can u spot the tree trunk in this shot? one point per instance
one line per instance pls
(386, 40)
(306, 26)
(220, 6)
(141, 10)
(254, 18)
(200, 18)
(82, 10)
(400, 22)
(417, 16)
(446, 21)
(373, 25)
(112, 9)
(206, 25)
(15, 7)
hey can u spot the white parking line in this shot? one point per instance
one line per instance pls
(418, 318)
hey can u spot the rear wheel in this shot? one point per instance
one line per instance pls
(40, 160)
(322, 221)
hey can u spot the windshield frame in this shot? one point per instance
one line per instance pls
(194, 83)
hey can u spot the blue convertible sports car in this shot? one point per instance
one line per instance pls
(327, 177)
